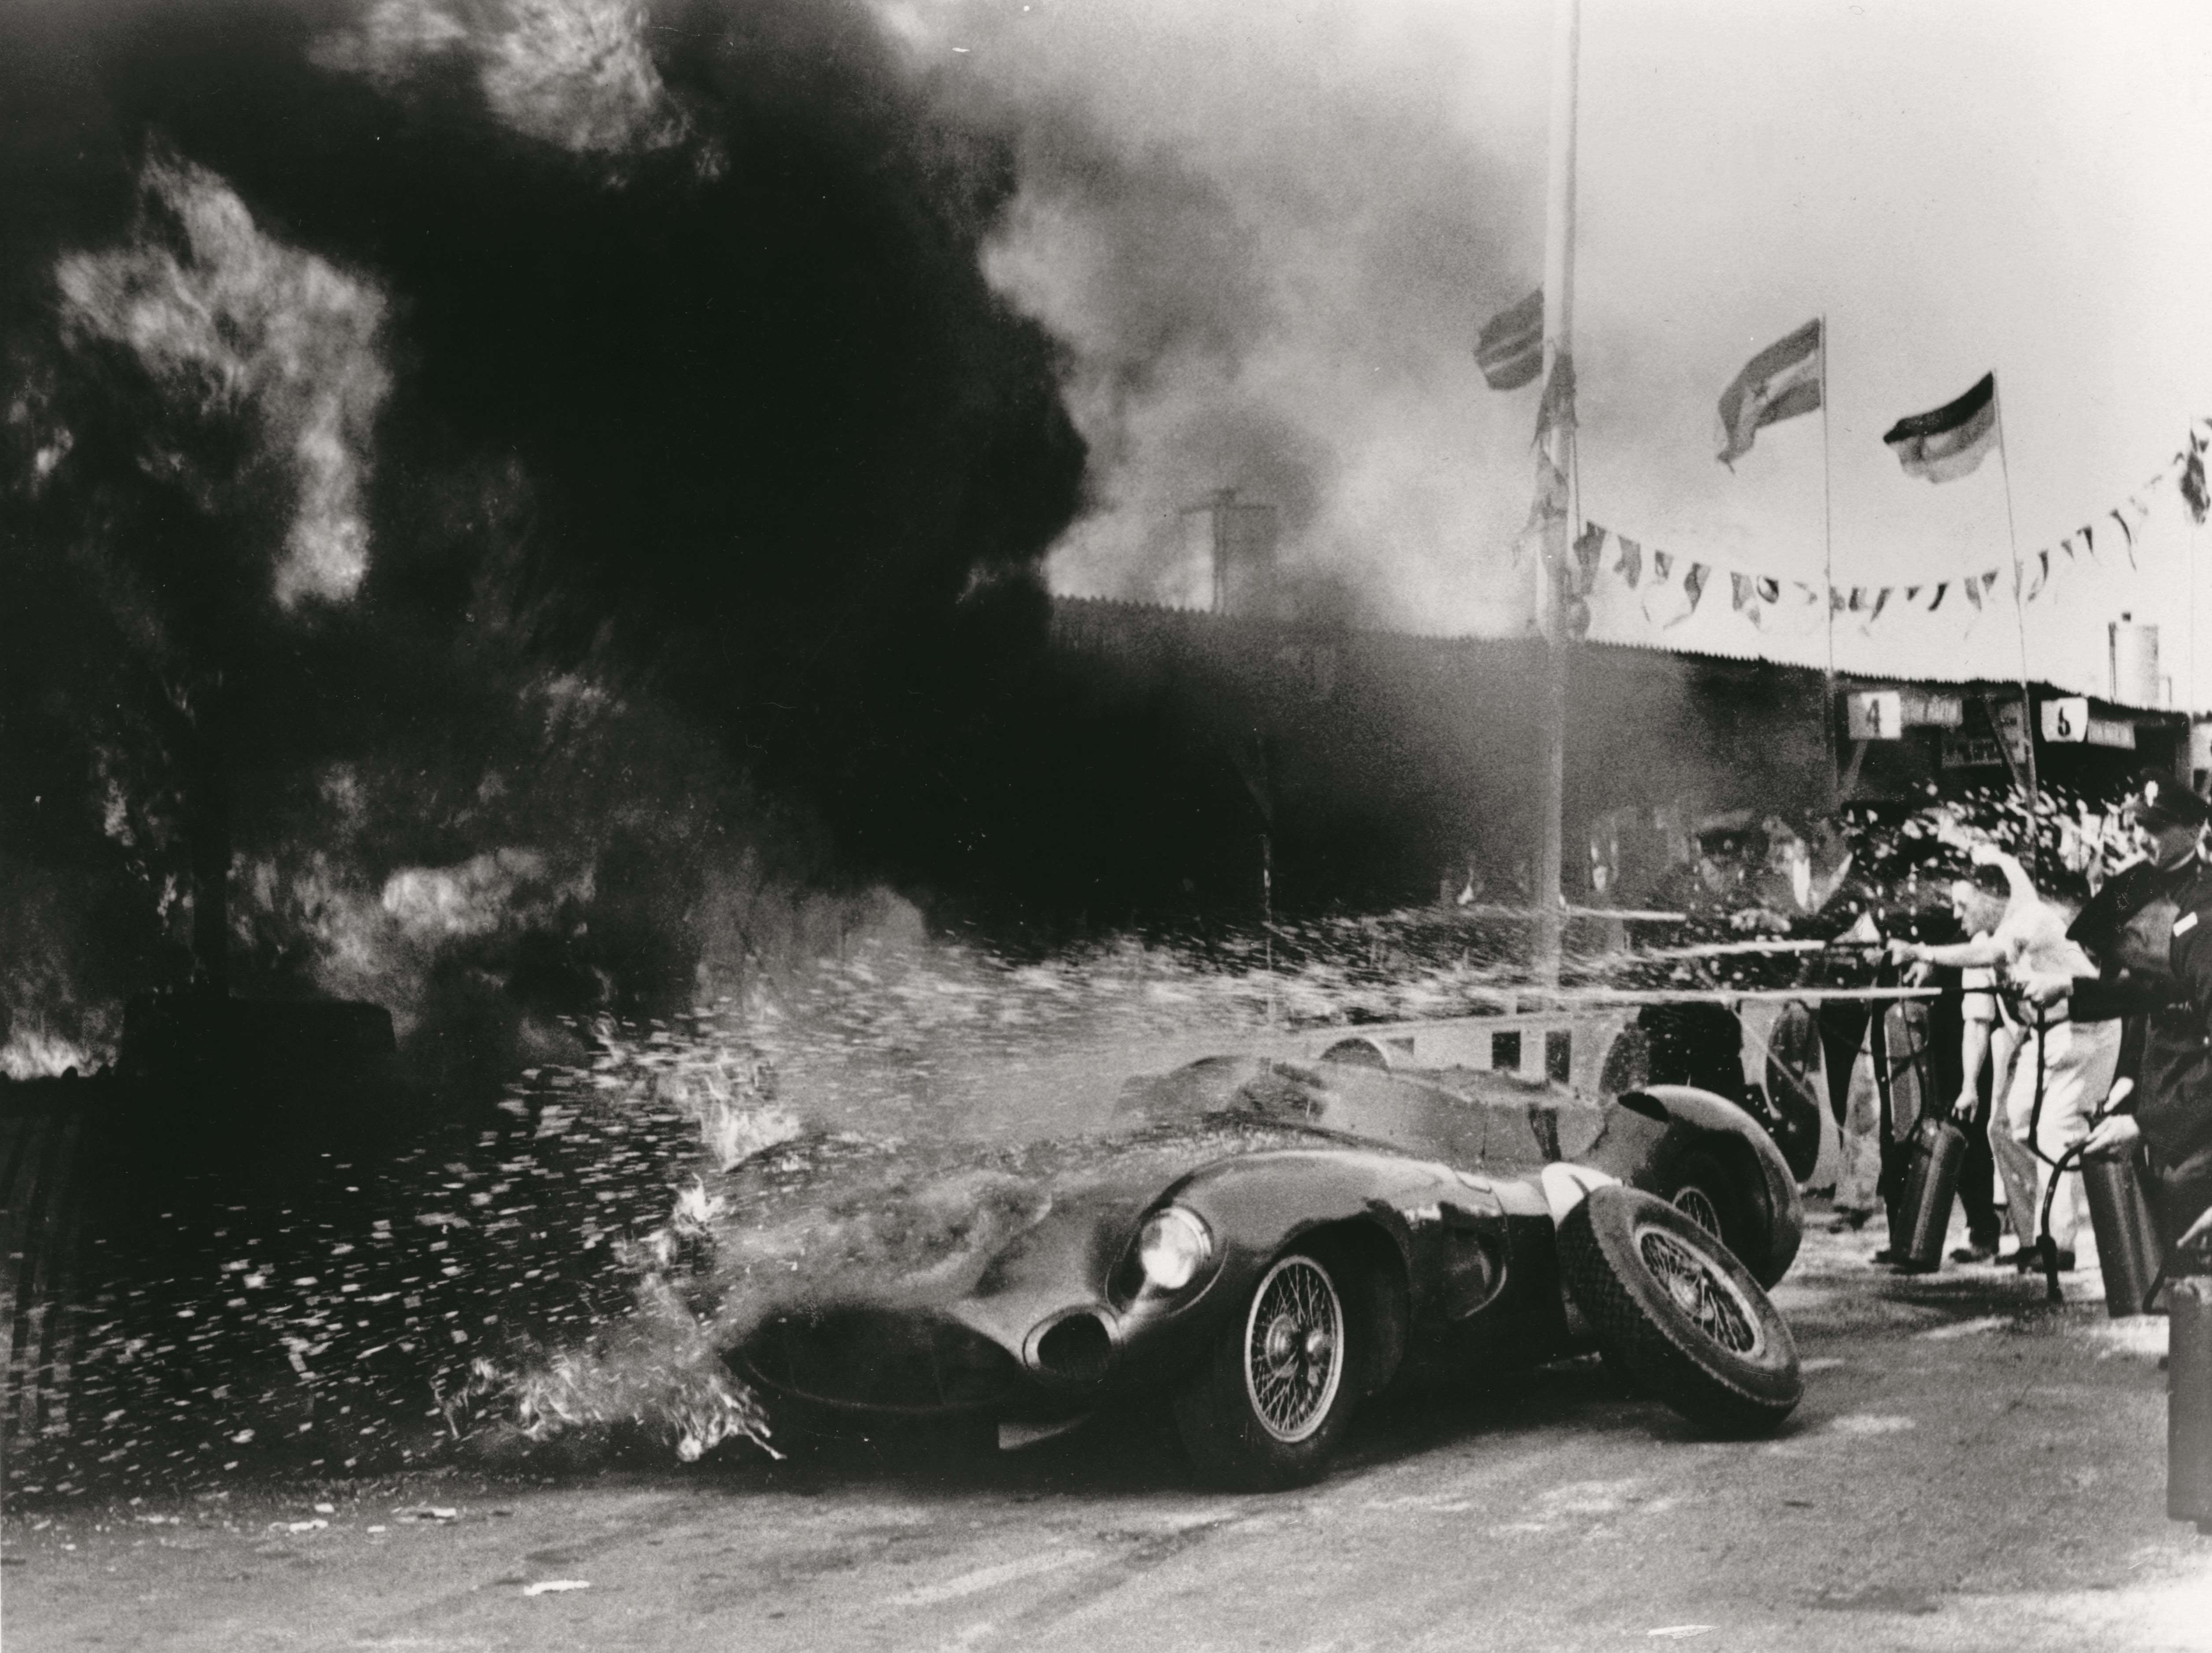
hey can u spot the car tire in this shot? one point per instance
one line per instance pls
(1679, 1313)
(1269, 1403)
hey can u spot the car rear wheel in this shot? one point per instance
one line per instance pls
(1679, 1313)
(1276, 1392)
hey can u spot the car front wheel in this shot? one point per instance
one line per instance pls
(1676, 1310)
(1267, 1408)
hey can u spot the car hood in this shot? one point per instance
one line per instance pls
(831, 1220)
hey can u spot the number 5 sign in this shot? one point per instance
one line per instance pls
(2066, 718)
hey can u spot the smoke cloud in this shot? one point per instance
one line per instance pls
(534, 476)
(1267, 236)
(576, 73)
(224, 320)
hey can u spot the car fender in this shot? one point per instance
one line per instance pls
(1687, 1115)
(1448, 1230)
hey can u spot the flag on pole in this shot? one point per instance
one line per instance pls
(1782, 381)
(1952, 441)
(1511, 351)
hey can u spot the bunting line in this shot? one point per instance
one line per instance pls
(1671, 588)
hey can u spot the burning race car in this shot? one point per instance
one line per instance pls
(1268, 1241)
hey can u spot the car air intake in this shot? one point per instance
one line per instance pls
(1078, 1349)
(882, 1361)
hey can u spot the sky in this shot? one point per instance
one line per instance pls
(1267, 232)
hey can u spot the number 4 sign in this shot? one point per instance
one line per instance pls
(2066, 718)
(1878, 714)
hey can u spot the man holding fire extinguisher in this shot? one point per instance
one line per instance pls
(2150, 931)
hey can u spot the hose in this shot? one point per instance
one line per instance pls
(2044, 1244)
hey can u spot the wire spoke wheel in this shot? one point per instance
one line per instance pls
(1694, 1203)
(1679, 1310)
(1294, 1348)
(1701, 1290)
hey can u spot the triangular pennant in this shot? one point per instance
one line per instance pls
(1693, 588)
(1835, 600)
(1911, 594)
(1938, 601)
(1665, 603)
(1972, 587)
(1881, 602)
(2088, 538)
(2067, 546)
(1588, 544)
(1631, 565)
(1743, 596)
(2042, 573)
(2193, 492)
(2126, 533)
(1770, 591)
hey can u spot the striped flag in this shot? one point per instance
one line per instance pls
(1952, 441)
(1511, 351)
(1782, 381)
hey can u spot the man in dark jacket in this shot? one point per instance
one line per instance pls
(2150, 930)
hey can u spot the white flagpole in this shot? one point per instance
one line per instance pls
(1559, 448)
(2020, 623)
(1827, 577)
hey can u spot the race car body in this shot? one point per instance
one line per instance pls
(1268, 1240)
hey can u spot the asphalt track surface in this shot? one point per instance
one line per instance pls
(1970, 1470)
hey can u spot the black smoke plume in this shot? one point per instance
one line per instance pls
(467, 457)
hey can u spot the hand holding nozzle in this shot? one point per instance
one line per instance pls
(2113, 1133)
(2042, 989)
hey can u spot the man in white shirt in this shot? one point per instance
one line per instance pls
(2060, 1070)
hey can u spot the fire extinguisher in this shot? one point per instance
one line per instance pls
(2188, 1400)
(1939, 1151)
(2128, 1253)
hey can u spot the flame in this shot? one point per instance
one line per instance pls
(33, 1053)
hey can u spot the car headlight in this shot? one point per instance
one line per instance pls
(1172, 1246)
